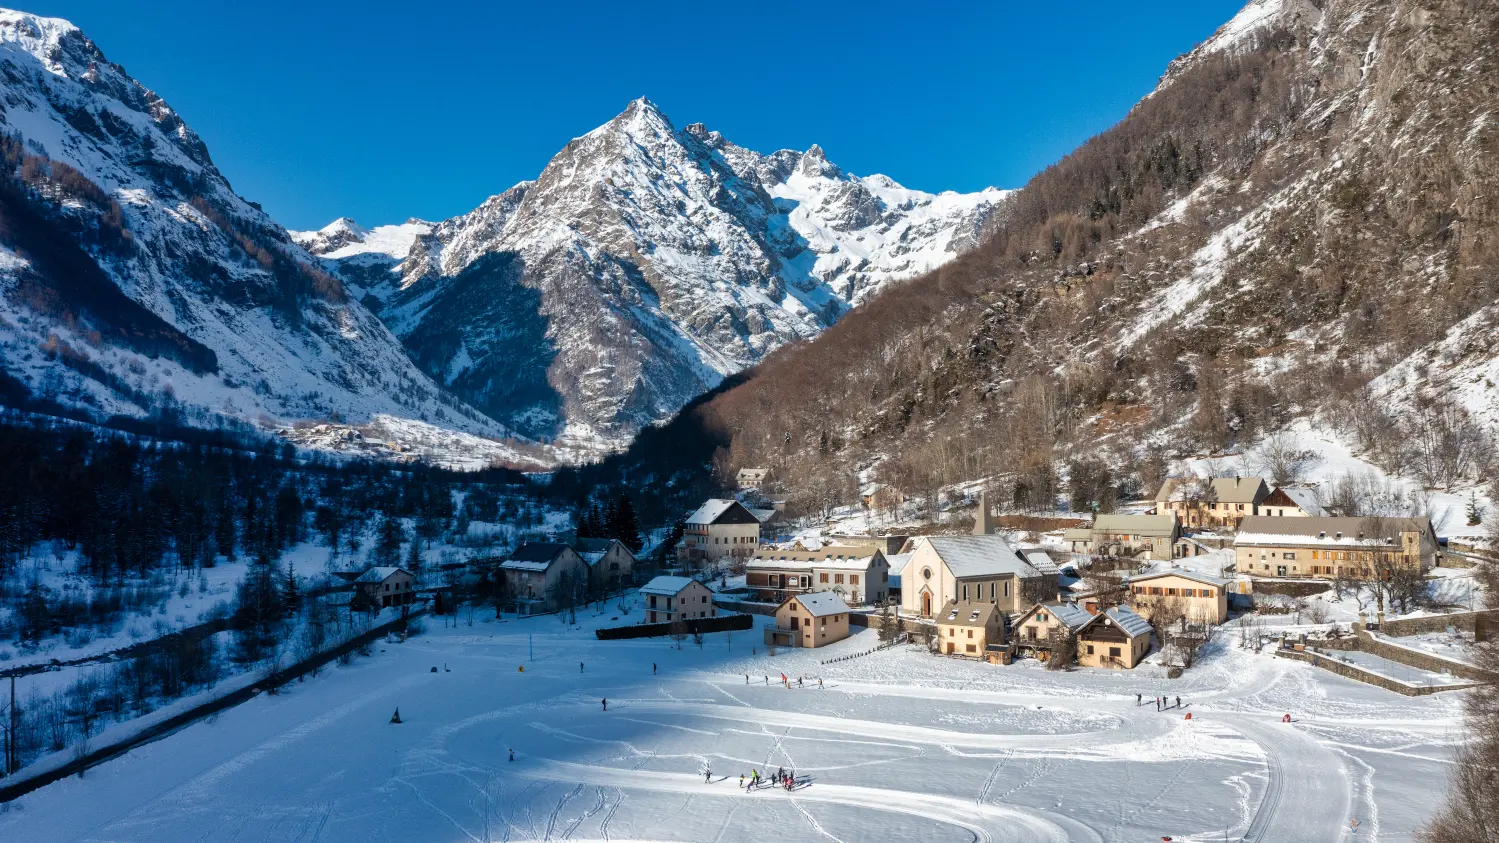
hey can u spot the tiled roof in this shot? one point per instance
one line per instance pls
(1368, 532)
(966, 613)
(1163, 525)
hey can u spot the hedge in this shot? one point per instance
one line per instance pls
(652, 630)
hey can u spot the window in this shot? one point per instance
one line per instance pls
(853, 579)
(1113, 652)
(704, 599)
(973, 648)
(965, 591)
(1090, 649)
(837, 578)
(1170, 592)
(952, 633)
(823, 577)
(1007, 589)
(1290, 554)
(970, 633)
(1041, 616)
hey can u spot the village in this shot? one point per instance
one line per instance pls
(1124, 589)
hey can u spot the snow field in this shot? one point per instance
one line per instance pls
(899, 745)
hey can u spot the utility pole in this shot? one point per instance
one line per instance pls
(12, 757)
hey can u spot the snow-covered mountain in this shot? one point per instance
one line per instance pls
(640, 268)
(132, 276)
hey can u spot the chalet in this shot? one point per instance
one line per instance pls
(1291, 503)
(384, 586)
(1117, 638)
(965, 569)
(968, 629)
(671, 598)
(720, 529)
(1033, 632)
(1211, 503)
(1358, 548)
(1148, 536)
(611, 565)
(860, 575)
(1200, 598)
(544, 577)
(809, 620)
(753, 478)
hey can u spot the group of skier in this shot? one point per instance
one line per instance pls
(1161, 703)
(782, 778)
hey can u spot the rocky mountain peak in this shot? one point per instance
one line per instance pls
(814, 164)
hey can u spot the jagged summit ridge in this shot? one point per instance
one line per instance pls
(651, 262)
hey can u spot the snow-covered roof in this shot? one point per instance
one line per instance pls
(535, 556)
(1205, 579)
(670, 586)
(821, 604)
(980, 556)
(833, 557)
(379, 573)
(1071, 615)
(1125, 618)
(1304, 498)
(1077, 534)
(1272, 530)
(1041, 561)
(898, 562)
(716, 508)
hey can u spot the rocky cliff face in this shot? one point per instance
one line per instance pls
(1299, 222)
(134, 279)
(643, 265)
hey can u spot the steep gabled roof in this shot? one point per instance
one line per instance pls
(722, 511)
(1305, 499)
(380, 573)
(1041, 561)
(1071, 615)
(1121, 616)
(980, 556)
(821, 604)
(534, 556)
(1221, 489)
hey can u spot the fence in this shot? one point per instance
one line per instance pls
(902, 639)
(652, 630)
(22, 784)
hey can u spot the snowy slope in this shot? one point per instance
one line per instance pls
(642, 266)
(222, 314)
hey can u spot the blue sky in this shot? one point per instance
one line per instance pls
(382, 111)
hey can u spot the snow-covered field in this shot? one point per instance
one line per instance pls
(898, 745)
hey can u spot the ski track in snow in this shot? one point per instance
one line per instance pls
(987, 754)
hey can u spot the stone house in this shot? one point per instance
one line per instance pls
(1201, 598)
(809, 620)
(544, 577)
(1033, 631)
(968, 629)
(669, 598)
(611, 565)
(752, 478)
(384, 586)
(975, 569)
(1117, 638)
(1214, 503)
(1328, 547)
(720, 529)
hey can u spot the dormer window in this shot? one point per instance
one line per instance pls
(1322, 535)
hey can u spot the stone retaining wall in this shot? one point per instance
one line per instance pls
(1358, 674)
(1466, 621)
(1423, 661)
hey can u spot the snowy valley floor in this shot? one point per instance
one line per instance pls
(898, 745)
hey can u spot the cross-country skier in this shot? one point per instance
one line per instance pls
(605, 701)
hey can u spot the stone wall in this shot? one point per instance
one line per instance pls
(1418, 659)
(1466, 621)
(1360, 675)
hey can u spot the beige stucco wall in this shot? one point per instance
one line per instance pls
(1266, 560)
(721, 541)
(693, 601)
(1129, 653)
(968, 641)
(942, 586)
(811, 632)
(1213, 609)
